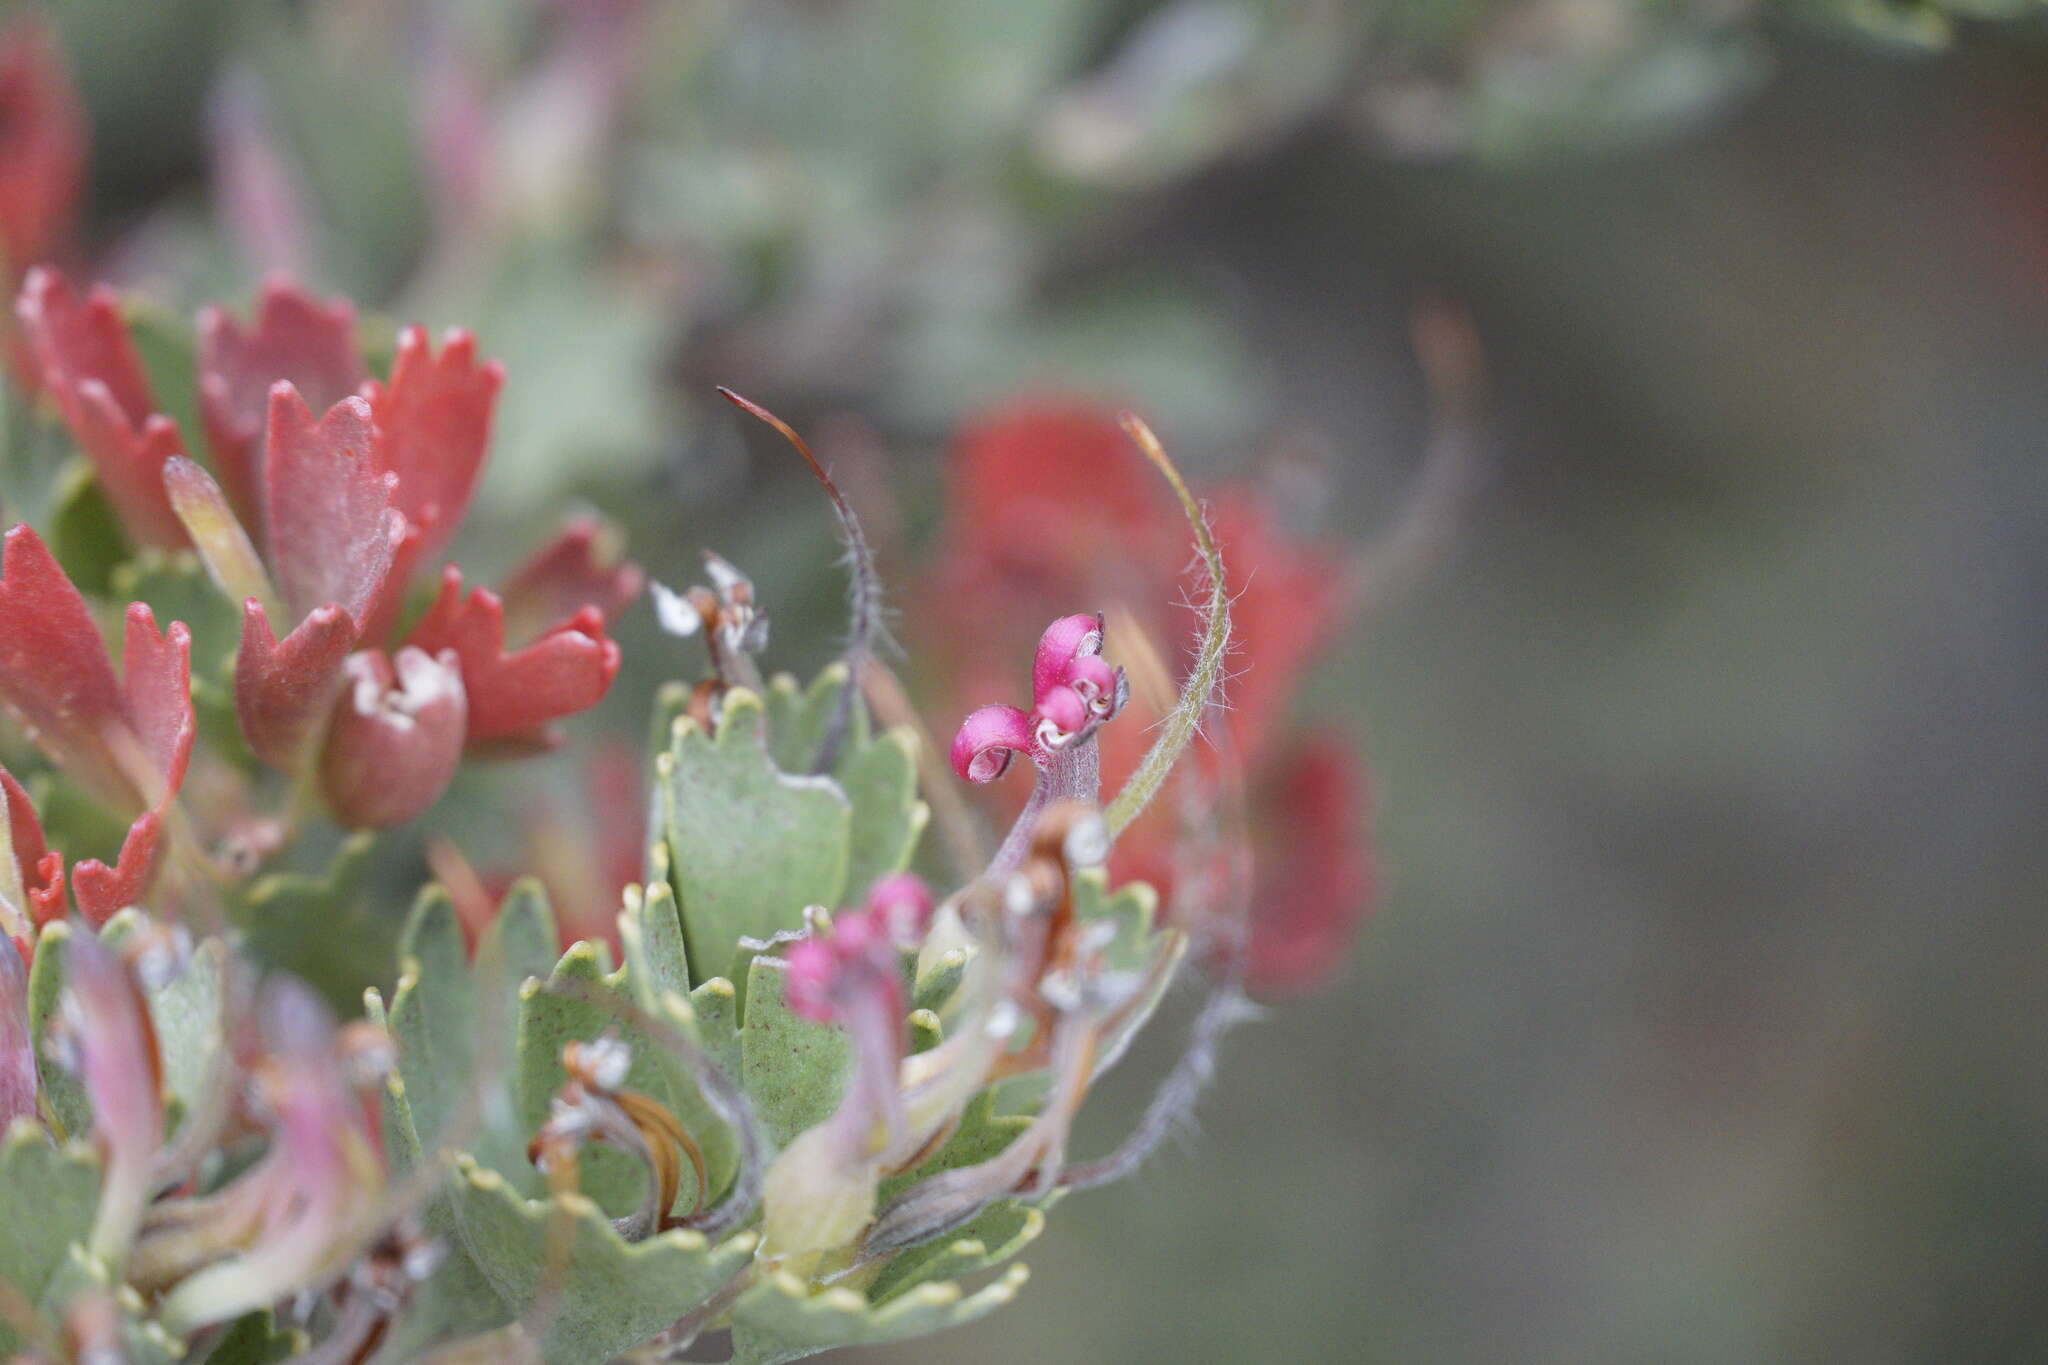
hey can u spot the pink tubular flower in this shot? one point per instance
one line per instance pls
(312, 1197)
(107, 1024)
(83, 356)
(126, 740)
(514, 696)
(1074, 691)
(294, 337)
(396, 737)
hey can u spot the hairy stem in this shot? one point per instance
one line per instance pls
(1206, 680)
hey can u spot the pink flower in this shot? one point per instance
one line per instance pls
(83, 357)
(108, 1026)
(1074, 691)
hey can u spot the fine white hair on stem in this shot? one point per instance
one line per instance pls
(864, 587)
(1205, 681)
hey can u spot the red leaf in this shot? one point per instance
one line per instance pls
(293, 336)
(512, 697)
(55, 675)
(89, 366)
(332, 530)
(102, 891)
(577, 569)
(156, 689)
(433, 425)
(283, 689)
(42, 143)
(40, 868)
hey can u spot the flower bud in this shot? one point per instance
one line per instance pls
(397, 735)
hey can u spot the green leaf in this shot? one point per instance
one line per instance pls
(983, 1133)
(547, 1021)
(85, 535)
(750, 845)
(323, 928)
(62, 1092)
(585, 1294)
(780, 1319)
(256, 1339)
(142, 1342)
(651, 938)
(793, 1069)
(169, 350)
(1132, 908)
(47, 1198)
(877, 774)
(992, 1237)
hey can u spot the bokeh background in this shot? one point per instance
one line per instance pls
(1701, 1013)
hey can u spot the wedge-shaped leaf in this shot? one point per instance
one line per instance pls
(780, 1319)
(323, 927)
(570, 1009)
(1132, 908)
(142, 1341)
(750, 846)
(794, 1070)
(256, 1339)
(446, 1015)
(177, 589)
(583, 1294)
(982, 1134)
(993, 1237)
(47, 1197)
(878, 774)
(62, 1093)
(651, 938)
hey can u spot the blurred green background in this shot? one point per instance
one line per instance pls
(1702, 1018)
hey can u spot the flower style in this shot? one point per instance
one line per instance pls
(821, 1191)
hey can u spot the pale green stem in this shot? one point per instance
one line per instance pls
(1202, 685)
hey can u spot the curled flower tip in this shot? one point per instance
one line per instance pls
(396, 736)
(988, 739)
